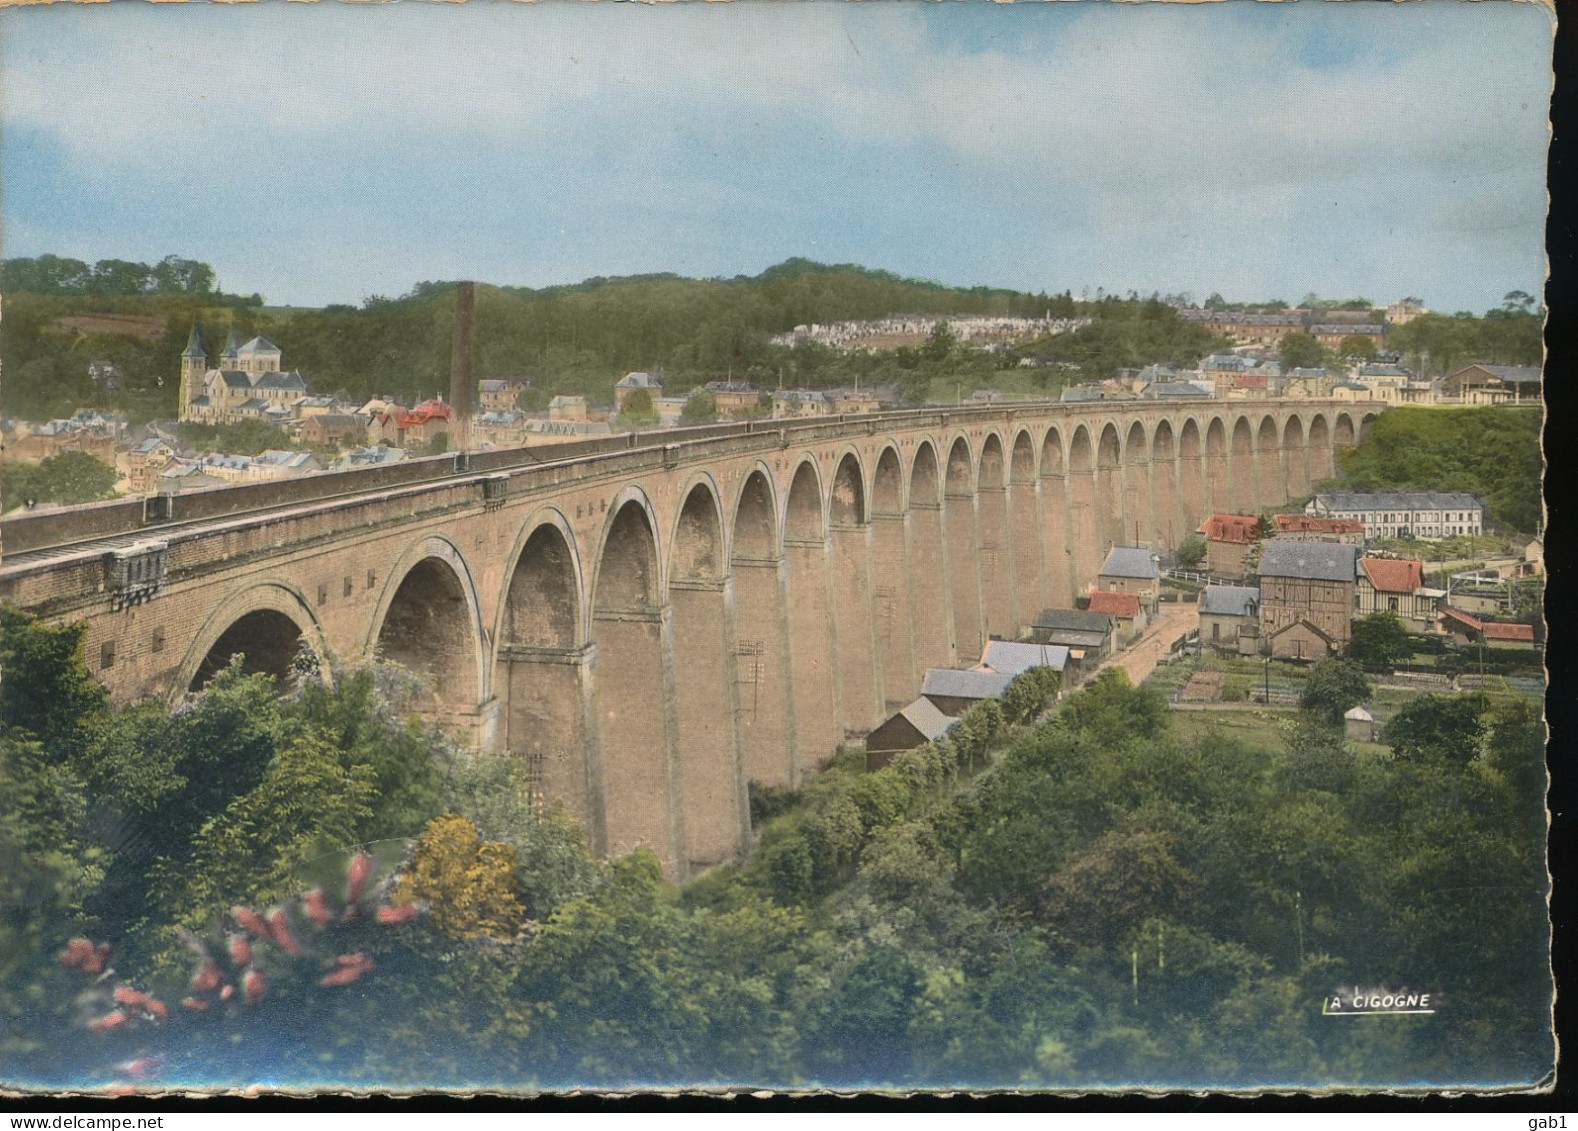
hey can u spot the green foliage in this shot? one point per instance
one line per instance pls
(1493, 452)
(1334, 686)
(1436, 344)
(700, 408)
(1192, 551)
(242, 438)
(1113, 710)
(66, 477)
(46, 689)
(53, 275)
(470, 885)
(1299, 350)
(1449, 728)
(1379, 642)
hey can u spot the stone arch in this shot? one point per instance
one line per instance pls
(1295, 456)
(803, 508)
(628, 573)
(756, 517)
(1368, 419)
(991, 474)
(1081, 456)
(540, 672)
(1241, 458)
(1268, 464)
(1084, 522)
(429, 622)
(847, 500)
(924, 482)
(887, 483)
(632, 700)
(1164, 485)
(1137, 509)
(1342, 432)
(960, 478)
(268, 623)
(1319, 445)
(697, 551)
(1218, 475)
(1191, 477)
(1110, 528)
(1022, 463)
(1052, 461)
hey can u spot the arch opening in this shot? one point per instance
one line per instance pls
(1022, 465)
(755, 524)
(961, 472)
(428, 630)
(269, 642)
(887, 486)
(698, 542)
(542, 604)
(627, 572)
(923, 474)
(803, 520)
(991, 473)
(1052, 453)
(848, 497)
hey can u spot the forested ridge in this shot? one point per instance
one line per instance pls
(1073, 902)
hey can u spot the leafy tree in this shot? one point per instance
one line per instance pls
(700, 408)
(242, 437)
(470, 884)
(46, 689)
(1191, 552)
(1444, 728)
(1114, 710)
(1379, 642)
(942, 342)
(1334, 686)
(1299, 350)
(1356, 347)
(67, 477)
(1123, 878)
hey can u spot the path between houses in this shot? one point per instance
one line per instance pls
(1173, 619)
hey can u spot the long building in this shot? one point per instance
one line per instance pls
(1404, 514)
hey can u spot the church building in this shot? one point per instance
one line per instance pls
(249, 383)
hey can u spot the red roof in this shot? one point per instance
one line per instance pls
(1125, 605)
(1239, 528)
(1313, 525)
(434, 409)
(1394, 575)
(1492, 629)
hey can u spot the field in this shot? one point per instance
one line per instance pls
(149, 327)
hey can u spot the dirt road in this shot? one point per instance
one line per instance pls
(1172, 621)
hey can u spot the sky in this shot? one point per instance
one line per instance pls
(325, 152)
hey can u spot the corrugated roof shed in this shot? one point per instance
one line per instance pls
(1130, 561)
(953, 683)
(1009, 657)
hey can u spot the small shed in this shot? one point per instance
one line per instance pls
(1010, 657)
(953, 691)
(916, 725)
(1359, 725)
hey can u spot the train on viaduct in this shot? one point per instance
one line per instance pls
(654, 621)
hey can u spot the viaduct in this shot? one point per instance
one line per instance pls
(654, 621)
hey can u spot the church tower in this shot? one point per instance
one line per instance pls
(231, 358)
(194, 365)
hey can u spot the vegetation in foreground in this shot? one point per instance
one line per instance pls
(1074, 902)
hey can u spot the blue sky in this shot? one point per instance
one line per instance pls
(323, 152)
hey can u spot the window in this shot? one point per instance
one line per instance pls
(323, 593)
(158, 640)
(1216, 631)
(350, 586)
(372, 578)
(107, 654)
(1391, 604)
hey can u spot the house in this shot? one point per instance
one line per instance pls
(1397, 585)
(1465, 628)
(144, 463)
(1230, 618)
(853, 402)
(413, 427)
(1308, 528)
(1132, 569)
(501, 394)
(1011, 657)
(1493, 384)
(567, 408)
(735, 399)
(1403, 514)
(280, 464)
(1533, 563)
(1300, 640)
(627, 386)
(1128, 618)
(108, 376)
(336, 430)
(1331, 334)
(1359, 725)
(1228, 540)
(1088, 636)
(1309, 381)
(1080, 393)
(984, 396)
(305, 408)
(185, 475)
(669, 410)
(1313, 583)
(1174, 390)
(1403, 312)
(916, 725)
(790, 403)
(369, 457)
(953, 691)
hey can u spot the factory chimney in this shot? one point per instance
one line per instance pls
(462, 383)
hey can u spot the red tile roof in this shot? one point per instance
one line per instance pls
(1394, 575)
(1313, 525)
(1115, 604)
(1238, 528)
(1491, 629)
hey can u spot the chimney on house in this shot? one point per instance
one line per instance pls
(462, 385)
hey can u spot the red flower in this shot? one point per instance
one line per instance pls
(256, 985)
(356, 876)
(399, 916)
(279, 930)
(195, 1004)
(207, 977)
(251, 920)
(109, 1022)
(240, 950)
(125, 995)
(318, 907)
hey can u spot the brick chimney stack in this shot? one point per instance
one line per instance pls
(462, 384)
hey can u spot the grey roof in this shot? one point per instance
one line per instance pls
(194, 342)
(260, 345)
(952, 683)
(1008, 657)
(1173, 389)
(639, 381)
(232, 343)
(1129, 561)
(1079, 393)
(292, 380)
(150, 444)
(236, 379)
(1386, 369)
(1078, 620)
(1351, 385)
(924, 716)
(253, 405)
(202, 402)
(1072, 638)
(1314, 561)
(1229, 600)
(730, 387)
(1396, 500)
(340, 420)
(1307, 371)
(1514, 374)
(1369, 329)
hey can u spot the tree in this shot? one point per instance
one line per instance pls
(640, 411)
(470, 883)
(1333, 687)
(1299, 350)
(1192, 552)
(941, 343)
(700, 408)
(1379, 642)
(67, 477)
(1518, 300)
(1356, 347)
(1445, 728)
